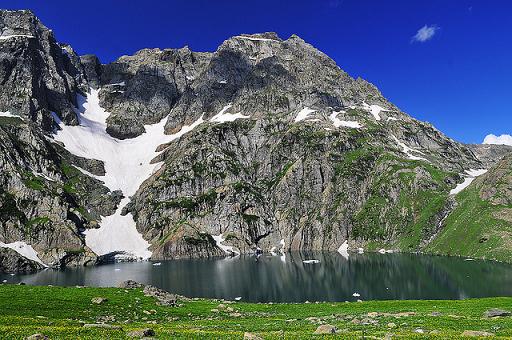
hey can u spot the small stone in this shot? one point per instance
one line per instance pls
(435, 314)
(373, 314)
(141, 333)
(434, 332)
(215, 310)
(419, 330)
(325, 329)
(235, 315)
(391, 325)
(250, 336)
(229, 309)
(99, 300)
(37, 336)
(477, 333)
(494, 313)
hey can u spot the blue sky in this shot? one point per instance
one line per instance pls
(459, 78)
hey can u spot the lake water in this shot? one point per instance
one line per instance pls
(289, 279)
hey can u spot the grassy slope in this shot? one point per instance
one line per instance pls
(58, 312)
(472, 230)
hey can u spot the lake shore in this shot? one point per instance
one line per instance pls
(118, 313)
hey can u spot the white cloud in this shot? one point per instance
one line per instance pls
(425, 33)
(503, 139)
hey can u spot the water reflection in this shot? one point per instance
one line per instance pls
(288, 279)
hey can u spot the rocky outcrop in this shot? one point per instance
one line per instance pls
(489, 154)
(12, 262)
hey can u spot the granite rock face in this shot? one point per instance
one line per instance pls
(289, 151)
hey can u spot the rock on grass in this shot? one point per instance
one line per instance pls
(325, 329)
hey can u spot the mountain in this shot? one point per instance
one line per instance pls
(264, 144)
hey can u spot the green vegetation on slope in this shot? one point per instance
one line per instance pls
(60, 313)
(473, 229)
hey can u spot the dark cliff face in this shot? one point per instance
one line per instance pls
(315, 157)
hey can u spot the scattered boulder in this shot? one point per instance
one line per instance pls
(477, 333)
(141, 333)
(250, 336)
(493, 313)
(99, 300)
(164, 298)
(325, 329)
(37, 336)
(130, 284)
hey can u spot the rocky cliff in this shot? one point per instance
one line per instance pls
(264, 144)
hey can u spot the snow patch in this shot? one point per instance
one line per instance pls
(223, 116)
(408, 151)
(471, 175)
(392, 118)
(500, 140)
(343, 250)
(255, 38)
(8, 114)
(23, 249)
(227, 249)
(344, 123)
(5, 37)
(303, 114)
(375, 110)
(127, 166)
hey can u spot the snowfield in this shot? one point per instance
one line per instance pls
(471, 175)
(127, 166)
(343, 250)
(23, 249)
(303, 114)
(8, 114)
(223, 116)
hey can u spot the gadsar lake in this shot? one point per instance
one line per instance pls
(287, 278)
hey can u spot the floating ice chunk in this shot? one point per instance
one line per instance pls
(24, 250)
(343, 249)
(157, 264)
(238, 298)
(303, 114)
(311, 261)
(360, 250)
(356, 295)
(471, 175)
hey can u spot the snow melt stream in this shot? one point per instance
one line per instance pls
(127, 166)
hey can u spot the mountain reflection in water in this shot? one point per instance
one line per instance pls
(289, 279)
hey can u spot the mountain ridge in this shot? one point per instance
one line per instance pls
(262, 144)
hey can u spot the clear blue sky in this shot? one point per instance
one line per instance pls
(459, 79)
